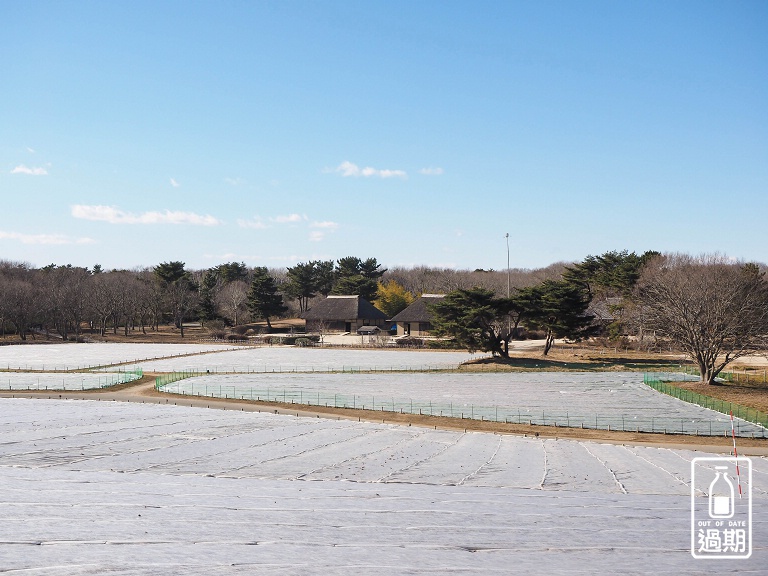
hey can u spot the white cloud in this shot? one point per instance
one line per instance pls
(289, 219)
(255, 223)
(431, 171)
(324, 228)
(49, 239)
(174, 183)
(30, 150)
(234, 256)
(328, 225)
(234, 181)
(116, 216)
(23, 169)
(347, 169)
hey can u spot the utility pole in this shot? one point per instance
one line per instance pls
(507, 237)
(509, 318)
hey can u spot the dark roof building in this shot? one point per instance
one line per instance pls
(416, 320)
(343, 314)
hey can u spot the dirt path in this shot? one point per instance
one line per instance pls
(144, 391)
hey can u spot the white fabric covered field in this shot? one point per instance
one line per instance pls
(74, 356)
(594, 399)
(140, 489)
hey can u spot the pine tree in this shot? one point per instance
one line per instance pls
(357, 277)
(476, 319)
(264, 300)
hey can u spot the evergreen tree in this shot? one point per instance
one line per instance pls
(207, 295)
(612, 274)
(264, 300)
(324, 276)
(179, 289)
(475, 319)
(306, 280)
(559, 308)
(232, 271)
(302, 283)
(357, 277)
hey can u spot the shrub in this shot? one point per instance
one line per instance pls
(443, 344)
(410, 342)
(215, 328)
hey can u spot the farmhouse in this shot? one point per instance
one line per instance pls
(416, 320)
(343, 314)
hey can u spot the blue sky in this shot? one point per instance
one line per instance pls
(133, 133)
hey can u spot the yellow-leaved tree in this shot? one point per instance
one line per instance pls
(392, 298)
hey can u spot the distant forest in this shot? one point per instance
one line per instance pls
(67, 300)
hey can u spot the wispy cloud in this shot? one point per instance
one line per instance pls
(23, 169)
(328, 225)
(30, 150)
(115, 215)
(255, 223)
(348, 169)
(321, 230)
(289, 219)
(234, 181)
(431, 171)
(50, 239)
(235, 256)
(174, 183)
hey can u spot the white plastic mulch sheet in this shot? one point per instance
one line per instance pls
(292, 359)
(93, 488)
(75, 356)
(589, 399)
(62, 381)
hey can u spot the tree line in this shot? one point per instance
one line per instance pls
(713, 309)
(65, 300)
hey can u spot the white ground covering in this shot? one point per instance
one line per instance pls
(594, 399)
(77, 356)
(293, 359)
(94, 487)
(61, 381)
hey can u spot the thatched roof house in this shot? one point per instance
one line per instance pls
(416, 320)
(343, 314)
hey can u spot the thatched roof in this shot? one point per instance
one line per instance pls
(418, 310)
(344, 308)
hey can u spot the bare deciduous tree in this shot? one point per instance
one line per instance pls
(713, 309)
(231, 301)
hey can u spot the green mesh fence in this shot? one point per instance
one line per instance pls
(664, 383)
(166, 379)
(84, 381)
(614, 421)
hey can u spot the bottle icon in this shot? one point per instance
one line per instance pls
(721, 494)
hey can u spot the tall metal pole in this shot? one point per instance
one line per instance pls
(509, 318)
(507, 237)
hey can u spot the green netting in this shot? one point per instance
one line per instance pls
(70, 381)
(512, 415)
(662, 382)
